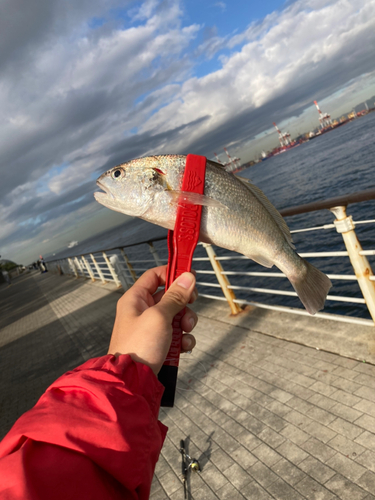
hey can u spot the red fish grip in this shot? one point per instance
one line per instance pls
(181, 245)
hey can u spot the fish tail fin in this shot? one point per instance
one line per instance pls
(312, 288)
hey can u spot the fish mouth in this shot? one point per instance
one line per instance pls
(102, 186)
(100, 195)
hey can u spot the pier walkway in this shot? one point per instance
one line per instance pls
(264, 403)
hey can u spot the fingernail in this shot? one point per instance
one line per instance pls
(192, 322)
(189, 343)
(188, 352)
(185, 280)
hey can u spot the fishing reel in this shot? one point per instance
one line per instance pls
(188, 463)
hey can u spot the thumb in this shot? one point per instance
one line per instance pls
(177, 296)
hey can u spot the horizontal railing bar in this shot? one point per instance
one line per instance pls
(302, 312)
(330, 226)
(370, 221)
(339, 201)
(343, 253)
(215, 297)
(286, 212)
(337, 298)
(294, 294)
(215, 285)
(282, 275)
(295, 310)
(160, 238)
(230, 257)
(271, 275)
(317, 228)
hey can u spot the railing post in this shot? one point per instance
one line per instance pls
(222, 279)
(88, 267)
(130, 267)
(98, 270)
(73, 266)
(111, 270)
(79, 266)
(155, 254)
(115, 261)
(362, 269)
(65, 265)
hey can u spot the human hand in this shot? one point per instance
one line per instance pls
(143, 324)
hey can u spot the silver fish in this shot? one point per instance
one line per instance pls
(236, 215)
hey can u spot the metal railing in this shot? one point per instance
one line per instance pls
(118, 266)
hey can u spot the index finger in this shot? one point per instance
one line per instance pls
(152, 279)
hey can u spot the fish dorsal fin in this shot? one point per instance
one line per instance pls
(216, 164)
(245, 180)
(258, 193)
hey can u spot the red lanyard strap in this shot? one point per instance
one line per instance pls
(181, 245)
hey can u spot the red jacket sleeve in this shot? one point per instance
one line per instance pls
(94, 434)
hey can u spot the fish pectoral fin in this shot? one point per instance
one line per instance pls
(261, 259)
(194, 199)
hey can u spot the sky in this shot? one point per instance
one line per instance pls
(88, 84)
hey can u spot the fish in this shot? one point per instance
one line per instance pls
(236, 215)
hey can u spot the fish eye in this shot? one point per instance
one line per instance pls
(117, 173)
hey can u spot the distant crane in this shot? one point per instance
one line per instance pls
(324, 118)
(284, 138)
(232, 163)
(218, 159)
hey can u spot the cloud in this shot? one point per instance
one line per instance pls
(86, 85)
(297, 52)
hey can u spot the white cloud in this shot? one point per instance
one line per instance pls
(278, 55)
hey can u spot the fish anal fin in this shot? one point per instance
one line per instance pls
(261, 259)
